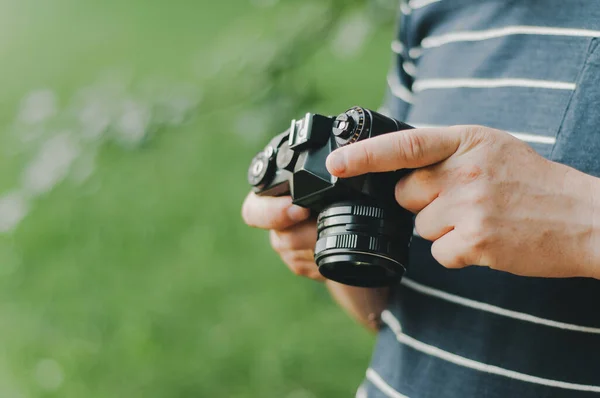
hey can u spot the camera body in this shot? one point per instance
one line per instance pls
(363, 234)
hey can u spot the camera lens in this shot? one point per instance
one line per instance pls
(361, 244)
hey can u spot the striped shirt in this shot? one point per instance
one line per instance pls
(532, 68)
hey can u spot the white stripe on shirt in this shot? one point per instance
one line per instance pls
(409, 68)
(390, 320)
(406, 10)
(384, 387)
(398, 89)
(397, 47)
(526, 137)
(465, 302)
(429, 84)
(415, 4)
(479, 35)
(415, 52)
(361, 392)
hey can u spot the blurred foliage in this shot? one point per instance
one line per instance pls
(126, 130)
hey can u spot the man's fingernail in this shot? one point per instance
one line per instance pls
(297, 213)
(336, 162)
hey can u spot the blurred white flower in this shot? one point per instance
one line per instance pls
(251, 126)
(13, 208)
(49, 374)
(37, 107)
(109, 109)
(133, 123)
(351, 36)
(83, 167)
(172, 106)
(51, 164)
(94, 118)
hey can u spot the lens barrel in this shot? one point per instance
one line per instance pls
(360, 244)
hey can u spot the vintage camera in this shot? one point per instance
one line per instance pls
(363, 234)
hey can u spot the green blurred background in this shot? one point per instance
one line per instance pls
(126, 131)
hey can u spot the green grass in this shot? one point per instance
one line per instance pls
(141, 280)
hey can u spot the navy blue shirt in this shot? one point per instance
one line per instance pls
(532, 68)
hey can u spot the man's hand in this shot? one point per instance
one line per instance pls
(293, 234)
(485, 198)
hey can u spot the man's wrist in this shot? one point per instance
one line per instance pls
(585, 253)
(579, 249)
(363, 304)
(594, 241)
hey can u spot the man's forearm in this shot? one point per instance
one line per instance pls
(363, 304)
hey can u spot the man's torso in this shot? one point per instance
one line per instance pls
(531, 68)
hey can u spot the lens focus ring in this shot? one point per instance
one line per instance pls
(361, 244)
(358, 210)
